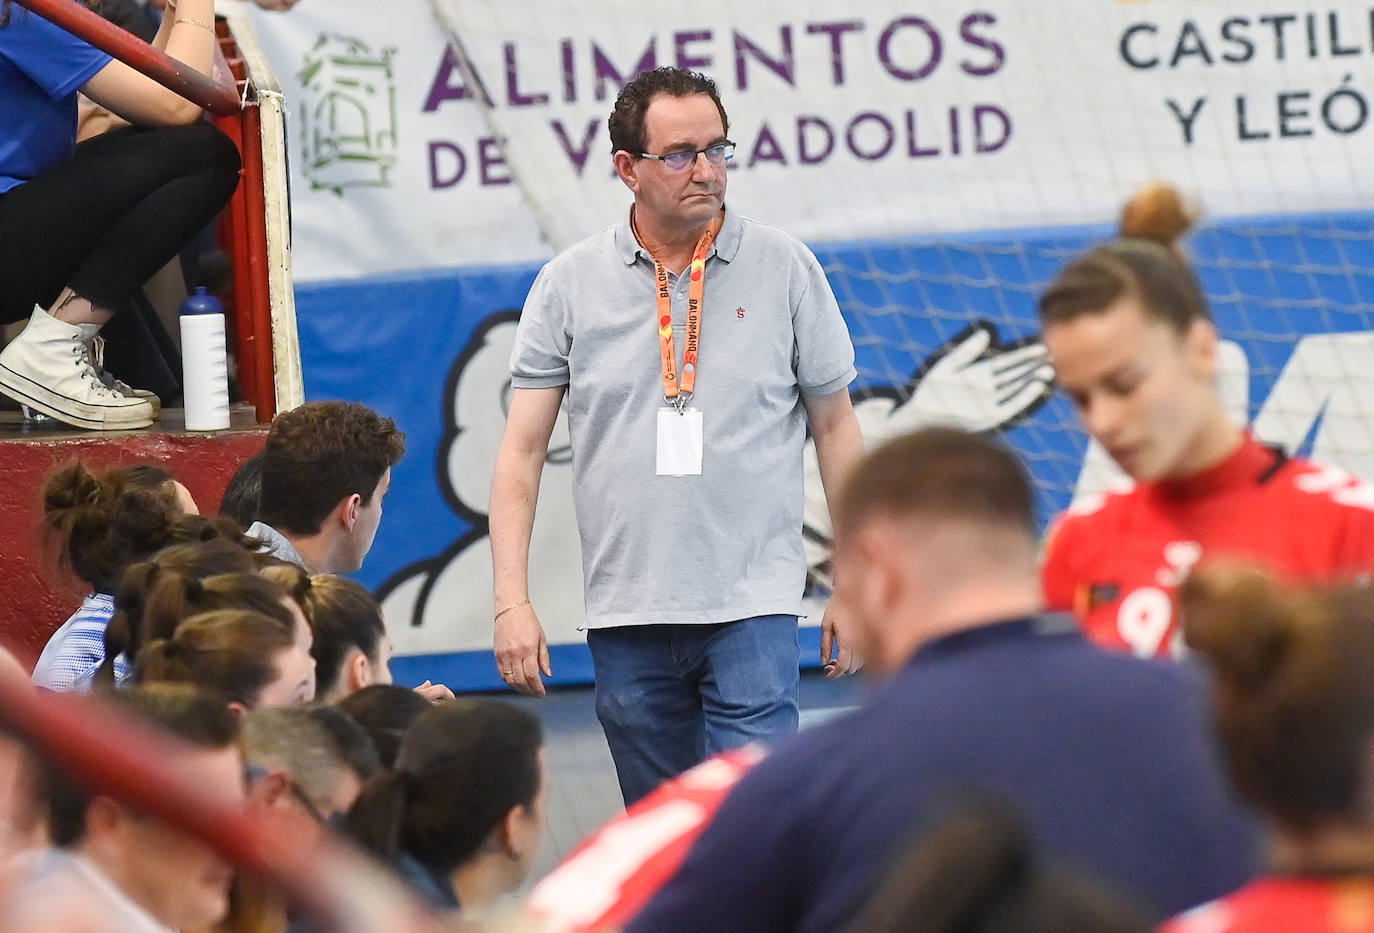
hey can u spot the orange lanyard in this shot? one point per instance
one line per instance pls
(679, 392)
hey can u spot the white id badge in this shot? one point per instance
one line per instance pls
(679, 442)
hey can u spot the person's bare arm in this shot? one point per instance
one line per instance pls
(521, 649)
(187, 34)
(839, 446)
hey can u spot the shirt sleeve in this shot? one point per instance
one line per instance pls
(615, 872)
(543, 339)
(734, 879)
(824, 352)
(54, 59)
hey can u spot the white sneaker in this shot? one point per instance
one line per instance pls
(48, 367)
(97, 345)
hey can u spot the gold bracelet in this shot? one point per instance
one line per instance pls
(195, 22)
(523, 602)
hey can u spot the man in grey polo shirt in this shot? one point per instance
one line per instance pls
(688, 491)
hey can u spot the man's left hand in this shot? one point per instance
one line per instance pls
(838, 656)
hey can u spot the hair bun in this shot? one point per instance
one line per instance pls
(71, 487)
(1241, 620)
(1157, 212)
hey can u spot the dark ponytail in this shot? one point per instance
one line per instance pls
(377, 815)
(464, 765)
(163, 661)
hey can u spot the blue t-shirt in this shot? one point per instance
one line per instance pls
(1109, 757)
(42, 66)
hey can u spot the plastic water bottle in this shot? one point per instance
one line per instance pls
(205, 365)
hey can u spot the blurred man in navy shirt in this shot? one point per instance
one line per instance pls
(1109, 758)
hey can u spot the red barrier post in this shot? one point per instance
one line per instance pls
(255, 258)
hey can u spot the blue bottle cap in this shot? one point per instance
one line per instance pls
(202, 302)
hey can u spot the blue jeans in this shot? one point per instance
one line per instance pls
(668, 696)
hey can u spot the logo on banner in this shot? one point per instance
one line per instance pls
(348, 118)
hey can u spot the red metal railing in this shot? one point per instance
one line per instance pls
(243, 230)
(233, 101)
(105, 750)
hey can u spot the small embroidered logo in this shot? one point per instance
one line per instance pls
(739, 313)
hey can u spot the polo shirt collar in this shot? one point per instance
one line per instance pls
(727, 241)
(725, 248)
(276, 544)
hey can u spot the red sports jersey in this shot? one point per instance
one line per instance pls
(1281, 905)
(1115, 559)
(611, 876)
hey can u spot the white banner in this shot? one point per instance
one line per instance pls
(852, 121)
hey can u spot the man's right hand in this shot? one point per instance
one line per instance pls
(522, 651)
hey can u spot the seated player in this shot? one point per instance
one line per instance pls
(303, 757)
(976, 871)
(385, 712)
(1133, 345)
(144, 875)
(1294, 701)
(245, 657)
(325, 471)
(243, 495)
(352, 649)
(461, 815)
(154, 599)
(100, 524)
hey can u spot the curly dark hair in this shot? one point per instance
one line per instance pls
(319, 454)
(627, 117)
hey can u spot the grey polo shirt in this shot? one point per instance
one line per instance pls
(727, 544)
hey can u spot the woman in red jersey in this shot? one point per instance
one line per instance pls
(1293, 697)
(1133, 344)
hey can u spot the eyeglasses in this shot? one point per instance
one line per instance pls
(253, 773)
(718, 154)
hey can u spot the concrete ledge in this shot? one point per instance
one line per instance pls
(34, 597)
